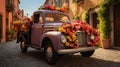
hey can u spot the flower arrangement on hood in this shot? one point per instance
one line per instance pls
(69, 29)
(72, 41)
(51, 7)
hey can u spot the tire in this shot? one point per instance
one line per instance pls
(23, 47)
(50, 54)
(87, 54)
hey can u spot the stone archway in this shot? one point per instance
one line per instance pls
(116, 13)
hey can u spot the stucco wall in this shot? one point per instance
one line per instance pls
(3, 12)
(83, 7)
(16, 5)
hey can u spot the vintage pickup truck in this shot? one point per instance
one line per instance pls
(43, 34)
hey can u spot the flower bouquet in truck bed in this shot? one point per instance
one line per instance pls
(22, 28)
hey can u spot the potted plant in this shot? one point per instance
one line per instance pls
(10, 35)
(105, 24)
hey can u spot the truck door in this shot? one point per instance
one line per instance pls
(37, 29)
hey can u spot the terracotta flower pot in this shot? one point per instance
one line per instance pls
(106, 43)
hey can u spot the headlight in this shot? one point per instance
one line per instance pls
(63, 39)
(92, 37)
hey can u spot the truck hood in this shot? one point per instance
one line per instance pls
(52, 26)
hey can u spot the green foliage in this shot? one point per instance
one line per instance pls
(40, 8)
(86, 16)
(76, 17)
(10, 32)
(104, 18)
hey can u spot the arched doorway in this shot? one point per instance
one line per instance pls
(95, 20)
(116, 13)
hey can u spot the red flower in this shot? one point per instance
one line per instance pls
(97, 38)
(90, 43)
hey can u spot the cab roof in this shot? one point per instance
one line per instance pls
(48, 11)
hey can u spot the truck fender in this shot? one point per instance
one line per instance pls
(54, 37)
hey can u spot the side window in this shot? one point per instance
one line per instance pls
(40, 19)
(49, 17)
(36, 18)
(64, 18)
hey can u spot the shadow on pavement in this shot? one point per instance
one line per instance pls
(11, 56)
(75, 61)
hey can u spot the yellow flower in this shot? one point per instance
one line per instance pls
(76, 42)
(68, 25)
(61, 29)
(67, 44)
(23, 28)
(73, 37)
(57, 8)
(69, 38)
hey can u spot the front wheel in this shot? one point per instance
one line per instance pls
(23, 47)
(87, 54)
(50, 54)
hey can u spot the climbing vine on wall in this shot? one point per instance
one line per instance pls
(87, 16)
(104, 18)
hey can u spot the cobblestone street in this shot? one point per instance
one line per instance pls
(11, 56)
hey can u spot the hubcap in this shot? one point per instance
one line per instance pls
(49, 52)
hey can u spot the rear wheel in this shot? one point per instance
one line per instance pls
(87, 54)
(23, 47)
(50, 54)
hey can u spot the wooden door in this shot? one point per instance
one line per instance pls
(117, 25)
(95, 20)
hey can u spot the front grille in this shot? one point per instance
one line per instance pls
(82, 38)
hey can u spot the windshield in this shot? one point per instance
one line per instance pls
(54, 17)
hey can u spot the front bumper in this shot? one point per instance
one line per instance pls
(80, 49)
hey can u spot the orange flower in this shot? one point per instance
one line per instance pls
(23, 28)
(57, 9)
(73, 37)
(67, 44)
(61, 29)
(68, 30)
(52, 7)
(77, 42)
(71, 34)
(69, 38)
